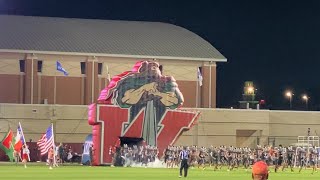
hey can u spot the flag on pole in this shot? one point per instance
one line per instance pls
(6, 142)
(108, 74)
(19, 139)
(46, 141)
(6, 145)
(61, 69)
(200, 78)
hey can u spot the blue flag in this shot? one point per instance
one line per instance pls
(61, 69)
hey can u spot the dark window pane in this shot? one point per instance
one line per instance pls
(22, 65)
(83, 67)
(39, 66)
(99, 68)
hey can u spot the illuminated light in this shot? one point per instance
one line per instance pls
(305, 97)
(250, 89)
(289, 94)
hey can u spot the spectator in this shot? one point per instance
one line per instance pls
(60, 153)
(260, 171)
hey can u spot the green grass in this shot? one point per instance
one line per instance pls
(42, 172)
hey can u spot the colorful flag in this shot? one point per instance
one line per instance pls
(6, 145)
(7, 141)
(19, 139)
(108, 74)
(61, 69)
(200, 78)
(46, 141)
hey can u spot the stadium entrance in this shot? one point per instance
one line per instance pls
(130, 141)
(125, 142)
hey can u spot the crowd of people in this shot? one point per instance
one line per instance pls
(59, 155)
(230, 157)
(183, 157)
(136, 155)
(65, 153)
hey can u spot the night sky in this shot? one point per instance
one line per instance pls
(274, 43)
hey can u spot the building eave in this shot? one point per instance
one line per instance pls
(111, 55)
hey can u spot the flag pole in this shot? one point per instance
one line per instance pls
(54, 147)
(197, 94)
(11, 145)
(55, 88)
(24, 140)
(210, 84)
(108, 74)
(31, 98)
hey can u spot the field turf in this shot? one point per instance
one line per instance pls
(41, 172)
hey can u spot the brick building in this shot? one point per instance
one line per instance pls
(92, 50)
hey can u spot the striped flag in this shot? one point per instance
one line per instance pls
(46, 141)
(19, 139)
(199, 76)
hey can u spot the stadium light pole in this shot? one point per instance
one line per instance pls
(289, 95)
(306, 99)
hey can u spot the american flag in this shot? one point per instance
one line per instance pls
(46, 141)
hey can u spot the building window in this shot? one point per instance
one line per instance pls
(40, 66)
(83, 67)
(99, 68)
(22, 65)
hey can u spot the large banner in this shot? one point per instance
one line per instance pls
(141, 103)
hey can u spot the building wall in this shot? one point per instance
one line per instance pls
(219, 127)
(285, 123)
(10, 88)
(70, 122)
(215, 126)
(82, 89)
(249, 127)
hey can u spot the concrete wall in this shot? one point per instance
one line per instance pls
(248, 127)
(215, 126)
(70, 122)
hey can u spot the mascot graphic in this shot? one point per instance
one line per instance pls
(141, 103)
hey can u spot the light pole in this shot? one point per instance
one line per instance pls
(289, 95)
(306, 99)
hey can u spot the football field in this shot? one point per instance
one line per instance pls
(42, 172)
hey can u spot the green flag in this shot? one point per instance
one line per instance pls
(7, 146)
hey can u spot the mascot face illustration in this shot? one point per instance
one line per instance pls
(141, 103)
(146, 88)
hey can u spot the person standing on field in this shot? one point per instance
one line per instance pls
(51, 157)
(25, 155)
(17, 156)
(184, 157)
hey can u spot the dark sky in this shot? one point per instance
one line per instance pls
(274, 43)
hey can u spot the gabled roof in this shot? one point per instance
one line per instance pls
(103, 38)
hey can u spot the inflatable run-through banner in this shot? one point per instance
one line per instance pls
(141, 103)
